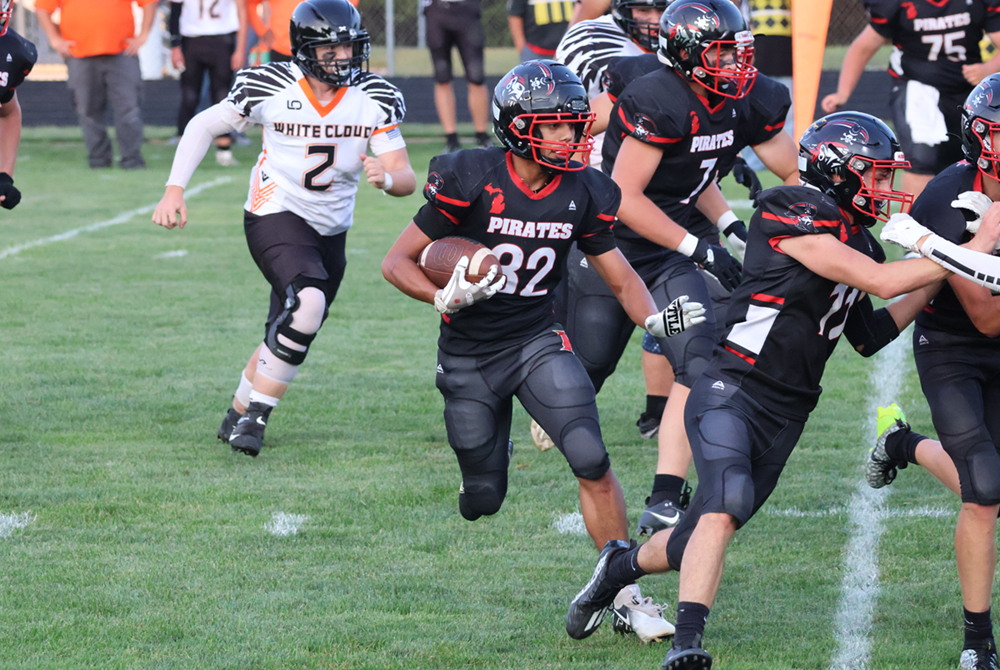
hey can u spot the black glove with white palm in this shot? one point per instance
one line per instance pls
(459, 292)
(718, 261)
(676, 318)
(745, 175)
(735, 232)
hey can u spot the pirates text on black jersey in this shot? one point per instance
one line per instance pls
(699, 142)
(934, 39)
(17, 58)
(785, 320)
(477, 194)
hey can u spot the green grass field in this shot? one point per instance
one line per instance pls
(145, 543)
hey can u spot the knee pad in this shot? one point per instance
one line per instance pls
(483, 456)
(983, 476)
(442, 69)
(584, 449)
(298, 323)
(476, 74)
(737, 493)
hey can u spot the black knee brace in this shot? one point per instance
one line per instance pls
(282, 325)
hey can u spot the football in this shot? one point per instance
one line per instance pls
(438, 259)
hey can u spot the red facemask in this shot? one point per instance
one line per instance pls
(875, 202)
(526, 127)
(740, 79)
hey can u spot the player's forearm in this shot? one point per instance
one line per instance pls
(979, 268)
(627, 286)
(48, 27)
(711, 203)
(404, 182)
(10, 135)
(403, 273)
(195, 142)
(906, 309)
(516, 24)
(643, 216)
(858, 54)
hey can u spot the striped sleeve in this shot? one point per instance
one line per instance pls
(254, 85)
(588, 48)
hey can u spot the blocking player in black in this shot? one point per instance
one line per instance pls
(811, 264)
(935, 64)
(17, 58)
(529, 202)
(957, 353)
(671, 133)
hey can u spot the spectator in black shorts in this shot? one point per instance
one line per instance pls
(456, 23)
(537, 27)
(935, 64)
(209, 40)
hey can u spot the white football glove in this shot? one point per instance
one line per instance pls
(676, 318)
(460, 293)
(903, 229)
(975, 205)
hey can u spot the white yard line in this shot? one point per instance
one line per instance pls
(12, 522)
(866, 523)
(282, 524)
(114, 221)
(570, 524)
(912, 513)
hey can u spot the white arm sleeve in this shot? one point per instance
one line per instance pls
(982, 269)
(194, 144)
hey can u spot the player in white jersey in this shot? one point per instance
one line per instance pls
(320, 113)
(210, 39)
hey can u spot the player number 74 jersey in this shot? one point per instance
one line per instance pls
(311, 159)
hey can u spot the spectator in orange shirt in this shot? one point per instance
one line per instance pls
(97, 38)
(273, 33)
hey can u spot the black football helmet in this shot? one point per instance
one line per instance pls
(320, 23)
(643, 33)
(6, 11)
(703, 29)
(981, 126)
(542, 92)
(837, 151)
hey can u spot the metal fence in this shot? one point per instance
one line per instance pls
(847, 19)
(408, 23)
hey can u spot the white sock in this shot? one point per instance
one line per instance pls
(243, 390)
(256, 396)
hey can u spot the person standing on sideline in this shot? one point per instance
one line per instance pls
(499, 337)
(97, 38)
(210, 39)
(457, 23)
(936, 61)
(17, 58)
(320, 114)
(537, 26)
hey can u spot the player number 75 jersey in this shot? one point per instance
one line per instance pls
(311, 159)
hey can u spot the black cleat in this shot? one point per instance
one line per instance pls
(979, 659)
(649, 425)
(663, 514)
(588, 608)
(228, 423)
(687, 658)
(452, 146)
(248, 435)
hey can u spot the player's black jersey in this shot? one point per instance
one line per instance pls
(476, 194)
(17, 57)
(933, 209)
(934, 38)
(699, 142)
(784, 320)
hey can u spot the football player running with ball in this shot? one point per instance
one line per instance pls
(810, 265)
(320, 113)
(528, 202)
